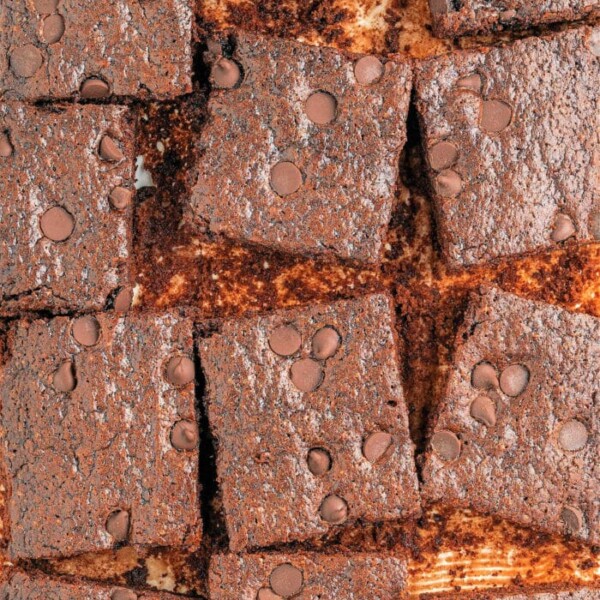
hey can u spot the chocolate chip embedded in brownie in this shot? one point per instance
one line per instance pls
(311, 425)
(513, 145)
(452, 18)
(307, 575)
(517, 434)
(65, 221)
(100, 435)
(64, 48)
(301, 148)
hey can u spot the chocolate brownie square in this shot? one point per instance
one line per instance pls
(100, 436)
(512, 138)
(451, 18)
(271, 576)
(301, 148)
(65, 220)
(309, 415)
(66, 48)
(517, 434)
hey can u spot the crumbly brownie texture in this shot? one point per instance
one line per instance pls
(311, 425)
(512, 136)
(306, 575)
(517, 434)
(65, 222)
(301, 148)
(451, 18)
(100, 442)
(66, 48)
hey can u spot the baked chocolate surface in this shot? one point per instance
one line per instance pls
(451, 18)
(291, 464)
(301, 148)
(66, 48)
(92, 418)
(64, 243)
(517, 431)
(513, 144)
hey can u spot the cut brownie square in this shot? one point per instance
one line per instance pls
(271, 576)
(512, 136)
(311, 425)
(100, 434)
(517, 434)
(65, 48)
(452, 18)
(301, 148)
(65, 222)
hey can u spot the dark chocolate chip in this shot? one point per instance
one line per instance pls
(563, 228)
(484, 376)
(483, 409)
(495, 115)
(448, 183)
(46, 7)
(573, 436)
(57, 224)
(117, 525)
(286, 178)
(64, 377)
(184, 435)
(572, 518)
(368, 70)
(123, 595)
(319, 461)
(442, 156)
(306, 374)
(321, 108)
(514, 380)
(285, 340)
(376, 445)
(325, 343)
(26, 61)
(109, 150)
(334, 509)
(6, 148)
(226, 73)
(180, 370)
(53, 29)
(446, 445)
(94, 88)
(120, 198)
(86, 330)
(123, 300)
(267, 594)
(286, 580)
(470, 82)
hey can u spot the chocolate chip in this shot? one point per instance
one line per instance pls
(64, 377)
(368, 70)
(123, 595)
(180, 370)
(321, 108)
(448, 183)
(319, 461)
(226, 73)
(286, 580)
(46, 7)
(334, 509)
(514, 380)
(376, 445)
(123, 300)
(184, 435)
(285, 340)
(495, 115)
(484, 376)
(53, 29)
(325, 343)
(483, 409)
(120, 198)
(563, 228)
(6, 148)
(109, 150)
(267, 594)
(446, 445)
(86, 330)
(57, 224)
(438, 6)
(471, 82)
(572, 518)
(286, 178)
(306, 374)
(117, 525)
(572, 436)
(442, 155)
(26, 61)
(94, 88)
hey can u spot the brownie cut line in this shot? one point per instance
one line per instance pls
(512, 138)
(100, 441)
(517, 432)
(301, 149)
(310, 421)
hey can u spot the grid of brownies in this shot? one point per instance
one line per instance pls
(300, 153)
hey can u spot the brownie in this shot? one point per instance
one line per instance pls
(304, 575)
(100, 435)
(452, 18)
(77, 48)
(310, 421)
(513, 145)
(301, 148)
(65, 221)
(517, 433)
